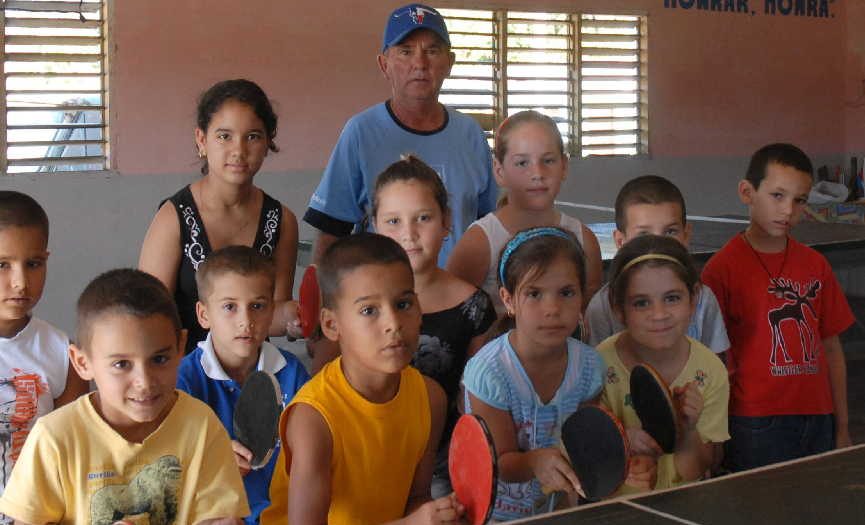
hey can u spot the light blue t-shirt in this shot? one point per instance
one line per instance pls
(373, 140)
(496, 377)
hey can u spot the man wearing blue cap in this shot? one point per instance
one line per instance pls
(415, 59)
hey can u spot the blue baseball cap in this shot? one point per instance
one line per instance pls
(410, 17)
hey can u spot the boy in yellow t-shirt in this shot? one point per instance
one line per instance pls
(136, 449)
(359, 439)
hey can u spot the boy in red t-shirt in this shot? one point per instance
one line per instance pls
(784, 310)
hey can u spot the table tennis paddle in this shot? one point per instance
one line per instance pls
(309, 302)
(653, 404)
(597, 446)
(472, 468)
(256, 416)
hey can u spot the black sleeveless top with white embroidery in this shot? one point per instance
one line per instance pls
(195, 246)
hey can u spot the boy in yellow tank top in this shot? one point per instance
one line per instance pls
(359, 439)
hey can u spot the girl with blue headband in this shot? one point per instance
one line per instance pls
(526, 382)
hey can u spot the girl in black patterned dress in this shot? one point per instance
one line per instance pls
(236, 127)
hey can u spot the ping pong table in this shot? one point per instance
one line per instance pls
(825, 489)
(709, 234)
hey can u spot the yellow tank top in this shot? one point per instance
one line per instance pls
(376, 448)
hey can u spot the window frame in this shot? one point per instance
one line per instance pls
(101, 56)
(574, 138)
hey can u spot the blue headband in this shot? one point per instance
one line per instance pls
(523, 236)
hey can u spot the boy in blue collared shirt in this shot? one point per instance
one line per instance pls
(236, 286)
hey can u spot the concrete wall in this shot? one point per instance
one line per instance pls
(720, 85)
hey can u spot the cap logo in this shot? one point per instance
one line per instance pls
(416, 14)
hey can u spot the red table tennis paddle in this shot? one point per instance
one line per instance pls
(597, 446)
(653, 404)
(309, 302)
(472, 468)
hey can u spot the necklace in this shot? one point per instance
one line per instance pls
(760, 259)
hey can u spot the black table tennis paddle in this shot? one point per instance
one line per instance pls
(654, 405)
(597, 446)
(256, 416)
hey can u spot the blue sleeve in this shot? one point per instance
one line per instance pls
(486, 382)
(593, 372)
(184, 375)
(341, 188)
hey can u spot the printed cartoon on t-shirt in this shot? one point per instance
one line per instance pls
(152, 491)
(799, 311)
(17, 414)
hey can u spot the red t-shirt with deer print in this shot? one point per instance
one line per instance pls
(778, 308)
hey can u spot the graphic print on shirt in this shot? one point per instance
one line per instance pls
(153, 491)
(16, 415)
(798, 303)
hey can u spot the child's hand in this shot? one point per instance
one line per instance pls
(242, 456)
(554, 471)
(292, 321)
(642, 472)
(642, 444)
(689, 401)
(442, 511)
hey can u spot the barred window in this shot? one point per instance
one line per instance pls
(586, 71)
(55, 86)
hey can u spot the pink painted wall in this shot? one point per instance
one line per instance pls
(720, 83)
(854, 95)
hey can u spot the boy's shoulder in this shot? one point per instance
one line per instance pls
(39, 331)
(74, 414)
(802, 254)
(727, 254)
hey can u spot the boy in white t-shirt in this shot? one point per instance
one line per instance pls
(35, 376)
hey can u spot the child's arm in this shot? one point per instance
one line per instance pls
(310, 445)
(285, 319)
(75, 387)
(548, 465)
(838, 382)
(160, 251)
(470, 258)
(419, 509)
(692, 457)
(594, 267)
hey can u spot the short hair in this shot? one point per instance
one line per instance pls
(21, 210)
(647, 189)
(515, 121)
(780, 153)
(123, 291)
(621, 270)
(240, 260)
(411, 168)
(354, 251)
